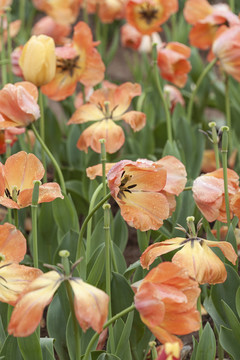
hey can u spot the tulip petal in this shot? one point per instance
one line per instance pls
(29, 309)
(85, 113)
(12, 243)
(136, 119)
(91, 305)
(227, 249)
(47, 192)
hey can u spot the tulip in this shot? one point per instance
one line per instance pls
(38, 60)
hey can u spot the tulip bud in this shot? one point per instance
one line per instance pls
(38, 60)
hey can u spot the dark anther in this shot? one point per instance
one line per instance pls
(7, 192)
(148, 14)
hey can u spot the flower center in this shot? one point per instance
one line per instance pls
(105, 110)
(68, 65)
(148, 13)
(123, 186)
(14, 195)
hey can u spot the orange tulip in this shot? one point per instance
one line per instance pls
(106, 106)
(9, 135)
(96, 170)
(195, 255)
(208, 193)
(47, 26)
(173, 63)
(147, 15)
(206, 19)
(226, 48)
(13, 277)
(145, 190)
(62, 11)
(18, 105)
(166, 300)
(78, 61)
(16, 181)
(90, 304)
(107, 10)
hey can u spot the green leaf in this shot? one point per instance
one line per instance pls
(195, 346)
(232, 321)
(65, 214)
(207, 345)
(96, 265)
(68, 242)
(106, 356)
(122, 293)
(10, 349)
(229, 343)
(120, 236)
(238, 302)
(131, 269)
(30, 345)
(2, 333)
(123, 340)
(119, 259)
(171, 149)
(56, 325)
(47, 348)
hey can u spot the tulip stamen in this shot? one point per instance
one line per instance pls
(148, 13)
(8, 194)
(68, 65)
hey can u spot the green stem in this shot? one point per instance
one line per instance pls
(21, 10)
(224, 151)
(228, 111)
(15, 214)
(215, 141)
(85, 13)
(106, 208)
(42, 133)
(4, 61)
(9, 47)
(109, 322)
(48, 152)
(103, 161)
(200, 312)
(34, 210)
(232, 5)
(3, 55)
(90, 215)
(187, 188)
(160, 91)
(89, 225)
(199, 81)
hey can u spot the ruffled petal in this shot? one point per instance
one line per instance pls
(226, 248)
(47, 192)
(176, 174)
(136, 119)
(12, 243)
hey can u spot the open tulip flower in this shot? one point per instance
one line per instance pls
(78, 61)
(208, 193)
(18, 105)
(195, 255)
(106, 106)
(147, 15)
(14, 278)
(62, 11)
(173, 64)
(166, 300)
(16, 181)
(145, 191)
(90, 304)
(226, 48)
(206, 20)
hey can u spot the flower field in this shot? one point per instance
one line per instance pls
(119, 180)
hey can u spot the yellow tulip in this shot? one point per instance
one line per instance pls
(38, 60)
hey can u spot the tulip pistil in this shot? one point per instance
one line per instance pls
(68, 65)
(148, 13)
(123, 187)
(8, 194)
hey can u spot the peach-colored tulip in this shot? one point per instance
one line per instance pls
(16, 181)
(18, 105)
(90, 304)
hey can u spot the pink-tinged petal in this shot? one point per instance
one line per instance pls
(85, 113)
(106, 129)
(8, 203)
(47, 192)
(94, 71)
(136, 119)
(176, 174)
(158, 249)
(201, 262)
(226, 248)
(144, 211)
(196, 10)
(14, 279)
(12, 243)
(123, 96)
(207, 189)
(29, 309)
(96, 170)
(91, 305)
(21, 169)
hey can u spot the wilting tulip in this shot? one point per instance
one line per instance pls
(145, 191)
(107, 10)
(16, 181)
(14, 278)
(166, 300)
(18, 105)
(90, 304)
(226, 48)
(147, 15)
(195, 255)
(105, 107)
(173, 96)
(173, 64)
(38, 60)
(208, 193)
